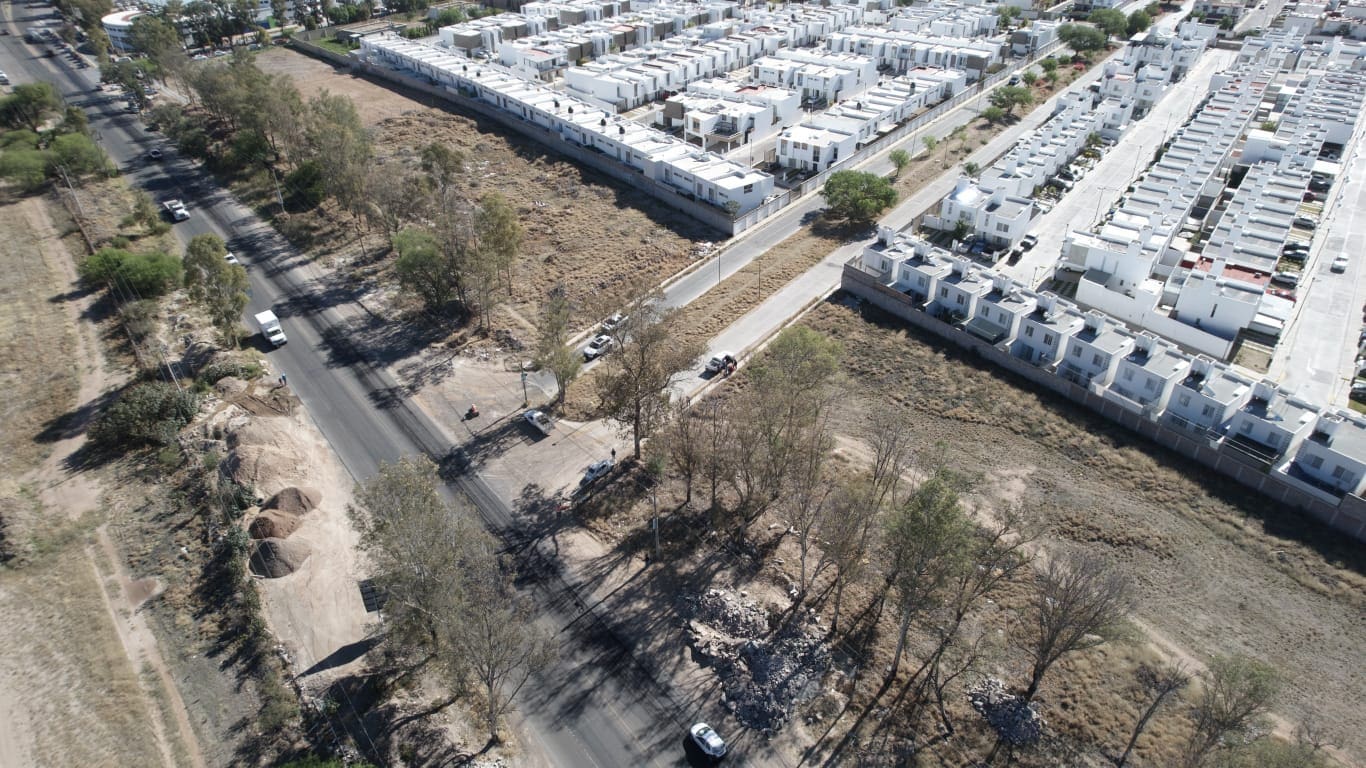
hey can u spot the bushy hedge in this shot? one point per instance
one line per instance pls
(148, 275)
(151, 413)
(221, 369)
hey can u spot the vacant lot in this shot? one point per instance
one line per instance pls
(1222, 570)
(581, 230)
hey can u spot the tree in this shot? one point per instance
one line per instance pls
(1052, 77)
(279, 12)
(1139, 21)
(499, 233)
(219, 286)
(341, 147)
(648, 358)
(74, 156)
(930, 143)
(149, 413)
(857, 197)
(846, 532)
(423, 269)
(958, 134)
(1007, 97)
(1081, 37)
(442, 163)
(971, 169)
(927, 541)
(1110, 21)
(29, 105)
(145, 275)
(1029, 78)
(553, 352)
(1049, 65)
(1157, 683)
(993, 115)
(396, 198)
(809, 488)
(1236, 692)
(1081, 601)
(900, 159)
(684, 445)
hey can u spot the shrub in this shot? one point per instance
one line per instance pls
(139, 318)
(150, 413)
(306, 187)
(25, 167)
(147, 275)
(221, 369)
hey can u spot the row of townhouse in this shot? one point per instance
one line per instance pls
(1024, 42)
(633, 78)
(1146, 375)
(998, 206)
(1141, 268)
(822, 140)
(946, 20)
(645, 23)
(822, 78)
(656, 155)
(897, 51)
(569, 12)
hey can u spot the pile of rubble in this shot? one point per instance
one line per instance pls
(763, 678)
(1013, 720)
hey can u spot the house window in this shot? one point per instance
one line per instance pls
(1185, 400)
(943, 293)
(1003, 318)
(1246, 428)
(1003, 227)
(1029, 331)
(1207, 412)
(1316, 461)
(1128, 374)
(1048, 339)
(1273, 440)
(958, 299)
(1148, 384)
(1339, 471)
(1098, 361)
(749, 188)
(920, 281)
(1076, 351)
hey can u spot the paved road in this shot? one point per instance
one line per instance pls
(1316, 357)
(596, 707)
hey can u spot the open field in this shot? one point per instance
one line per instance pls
(1221, 570)
(580, 230)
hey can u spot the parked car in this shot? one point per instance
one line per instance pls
(232, 259)
(1339, 264)
(722, 361)
(1291, 279)
(154, 154)
(1029, 241)
(1304, 222)
(596, 471)
(611, 323)
(598, 347)
(1310, 197)
(540, 421)
(708, 740)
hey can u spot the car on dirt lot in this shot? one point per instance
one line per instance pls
(596, 471)
(708, 740)
(598, 347)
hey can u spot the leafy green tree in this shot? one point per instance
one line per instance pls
(1081, 38)
(423, 269)
(1139, 21)
(1052, 77)
(1049, 65)
(442, 163)
(930, 143)
(1112, 22)
(857, 197)
(971, 169)
(994, 115)
(499, 234)
(279, 12)
(217, 285)
(76, 155)
(305, 186)
(1008, 97)
(900, 159)
(553, 352)
(25, 167)
(29, 105)
(1030, 77)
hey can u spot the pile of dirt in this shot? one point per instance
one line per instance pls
(273, 558)
(1013, 720)
(263, 453)
(229, 387)
(273, 524)
(295, 501)
(763, 678)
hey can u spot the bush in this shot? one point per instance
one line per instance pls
(146, 275)
(25, 167)
(306, 187)
(150, 413)
(222, 369)
(139, 318)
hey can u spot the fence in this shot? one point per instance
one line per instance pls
(1346, 515)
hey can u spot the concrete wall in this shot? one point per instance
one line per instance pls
(1346, 515)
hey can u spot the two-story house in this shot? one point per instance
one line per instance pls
(1045, 331)
(956, 294)
(1271, 425)
(1147, 375)
(1094, 352)
(1334, 455)
(1207, 398)
(1000, 311)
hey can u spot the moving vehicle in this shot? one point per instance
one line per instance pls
(597, 471)
(1339, 264)
(176, 210)
(4, 79)
(539, 420)
(270, 328)
(598, 347)
(708, 740)
(1029, 241)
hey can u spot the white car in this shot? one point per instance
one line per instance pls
(596, 472)
(232, 259)
(708, 740)
(177, 210)
(611, 323)
(539, 420)
(1339, 264)
(598, 347)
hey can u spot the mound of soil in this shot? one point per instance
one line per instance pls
(229, 387)
(296, 501)
(273, 524)
(274, 558)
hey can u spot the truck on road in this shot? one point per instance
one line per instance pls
(270, 328)
(176, 210)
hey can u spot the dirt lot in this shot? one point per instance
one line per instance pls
(581, 230)
(1222, 570)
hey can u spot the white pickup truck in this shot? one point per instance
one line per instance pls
(539, 420)
(177, 210)
(270, 328)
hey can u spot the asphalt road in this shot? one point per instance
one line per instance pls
(596, 707)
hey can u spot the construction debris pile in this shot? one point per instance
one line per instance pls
(1013, 720)
(764, 676)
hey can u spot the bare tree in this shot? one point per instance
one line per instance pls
(645, 364)
(717, 436)
(893, 451)
(846, 531)
(684, 446)
(1157, 683)
(500, 236)
(1082, 600)
(809, 488)
(927, 542)
(553, 352)
(396, 198)
(1236, 692)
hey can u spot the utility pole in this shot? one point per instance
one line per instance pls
(525, 399)
(654, 500)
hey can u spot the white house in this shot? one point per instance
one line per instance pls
(957, 293)
(1093, 353)
(1271, 424)
(1146, 377)
(814, 148)
(1334, 455)
(1044, 333)
(999, 312)
(1206, 400)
